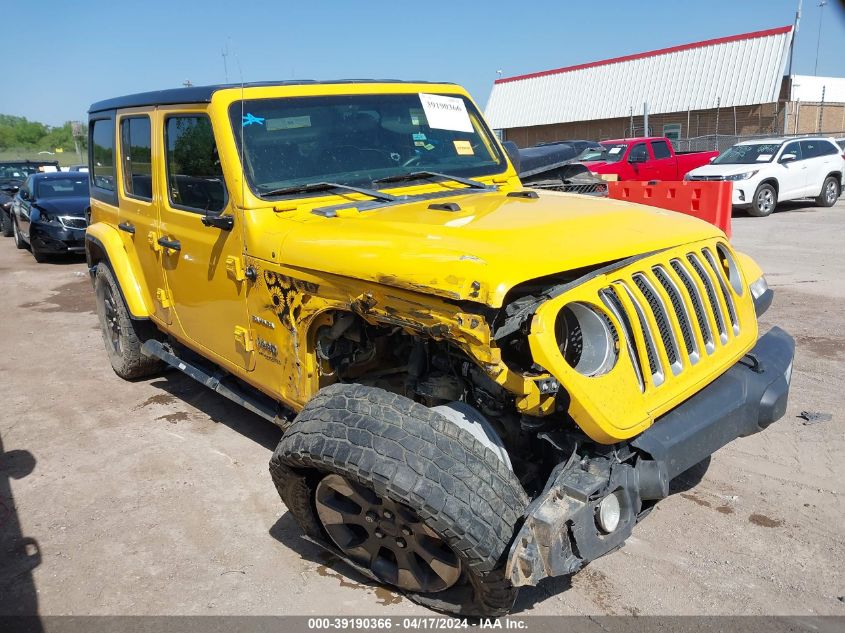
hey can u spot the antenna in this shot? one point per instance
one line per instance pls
(822, 4)
(224, 53)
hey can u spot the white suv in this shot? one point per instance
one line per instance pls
(767, 171)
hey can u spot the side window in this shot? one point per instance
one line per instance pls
(661, 150)
(639, 153)
(194, 173)
(793, 148)
(811, 149)
(102, 153)
(136, 153)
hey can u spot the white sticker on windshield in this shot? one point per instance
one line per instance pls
(288, 123)
(446, 113)
(614, 150)
(762, 158)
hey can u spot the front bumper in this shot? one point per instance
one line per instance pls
(744, 400)
(560, 534)
(50, 238)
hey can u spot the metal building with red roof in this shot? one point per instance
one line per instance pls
(730, 86)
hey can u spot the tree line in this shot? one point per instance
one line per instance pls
(19, 132)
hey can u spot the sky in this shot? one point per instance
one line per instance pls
(71, 54)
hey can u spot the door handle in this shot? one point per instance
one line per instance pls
(173, 245)
(126, 226)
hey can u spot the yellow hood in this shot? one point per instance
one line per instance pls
(491, 244)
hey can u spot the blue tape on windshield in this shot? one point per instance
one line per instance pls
(249, 119)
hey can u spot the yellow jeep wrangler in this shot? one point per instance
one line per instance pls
(480, 385)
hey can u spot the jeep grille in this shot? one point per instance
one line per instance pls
(682, 309)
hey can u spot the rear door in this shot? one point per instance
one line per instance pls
(821, 158)
(203, 265)
(665, 166)
(138, 218)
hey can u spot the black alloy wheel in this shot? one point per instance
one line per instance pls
(386, 537)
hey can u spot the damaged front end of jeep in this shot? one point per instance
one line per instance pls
(600, 385)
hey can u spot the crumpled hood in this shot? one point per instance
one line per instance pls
(490, 245)
(63, 206)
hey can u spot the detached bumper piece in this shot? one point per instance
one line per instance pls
(566, 526)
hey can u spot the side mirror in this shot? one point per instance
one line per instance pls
(788, 158)
(513, 154)
(24, 195)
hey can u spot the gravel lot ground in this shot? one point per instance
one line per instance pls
(153, 497)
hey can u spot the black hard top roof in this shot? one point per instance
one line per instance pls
(203, 94)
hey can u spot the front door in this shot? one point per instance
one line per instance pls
(203, 265)
(792, 175)
(138, 216)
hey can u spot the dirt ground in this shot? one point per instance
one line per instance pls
(153, 497)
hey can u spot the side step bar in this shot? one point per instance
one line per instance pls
(256, 402)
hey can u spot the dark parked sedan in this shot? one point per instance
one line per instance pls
(49, 214)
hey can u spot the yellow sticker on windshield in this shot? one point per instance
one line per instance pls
(464, 148)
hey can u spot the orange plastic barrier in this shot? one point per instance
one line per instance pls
(706, 200)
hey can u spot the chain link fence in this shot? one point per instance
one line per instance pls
(721, 142)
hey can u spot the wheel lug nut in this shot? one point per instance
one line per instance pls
(406, 530)
(379, 533)
(400, 542)
(371, 517)
(388, 514)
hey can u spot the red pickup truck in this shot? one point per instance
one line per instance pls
(646, 158)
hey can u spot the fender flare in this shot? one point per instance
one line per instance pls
(104, 244)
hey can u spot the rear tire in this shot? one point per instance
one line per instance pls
(830, 192)
(122, 335)
(16, 232)
(6, 223)
(764, 202)
(397, 453)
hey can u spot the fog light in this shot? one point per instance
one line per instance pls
(608, 513)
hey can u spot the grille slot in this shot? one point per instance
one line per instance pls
(611, 300)
(654, 365)
(715, 307)
(697, 304)
(681, 312)
(726, 295)
(661, 317)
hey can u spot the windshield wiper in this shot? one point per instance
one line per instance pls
(420, 175)
(329, 186)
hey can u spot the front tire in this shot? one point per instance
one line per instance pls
(122, 336)
(830, 192)
(359, 461)
(16, 232)
(765, 201)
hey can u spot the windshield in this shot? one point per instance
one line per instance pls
(359, 139)
(748, 154)
(17, 172)
(62, 188)
(610, 152)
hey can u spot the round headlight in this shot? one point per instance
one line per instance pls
(587, 339)
(730, 268)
